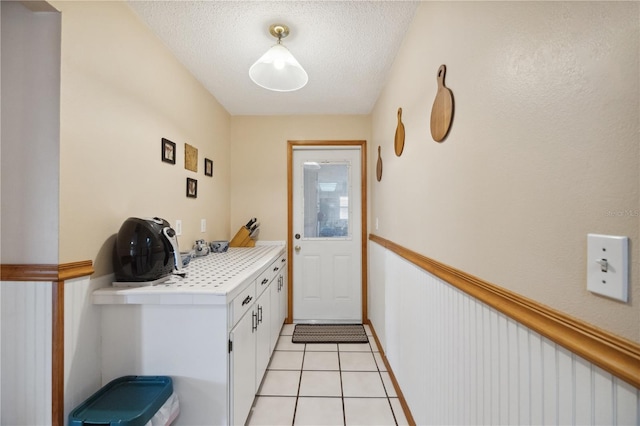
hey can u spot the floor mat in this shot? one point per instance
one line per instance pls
(329, 333)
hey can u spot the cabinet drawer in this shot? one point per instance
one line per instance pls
(264, 279)
(243, 302)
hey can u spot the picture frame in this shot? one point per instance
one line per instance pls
(168, 151)
(208, 167)
(190, 157)
(192, 188)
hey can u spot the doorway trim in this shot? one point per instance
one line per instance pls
(291, 146)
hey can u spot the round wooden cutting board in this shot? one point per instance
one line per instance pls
(399, 141)
(442, 110)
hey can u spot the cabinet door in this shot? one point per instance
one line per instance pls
(284, 300)
(243, 367)
(276, 321)
(263, 348)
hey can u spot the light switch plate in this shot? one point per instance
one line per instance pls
(203, 225)
(608, 266)
(178, 227)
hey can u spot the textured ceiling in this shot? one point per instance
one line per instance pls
(346, 47)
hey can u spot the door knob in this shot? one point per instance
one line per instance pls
(297, 248)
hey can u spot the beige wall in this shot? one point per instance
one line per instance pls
(121, 92)
(543, 148)
(259, 159)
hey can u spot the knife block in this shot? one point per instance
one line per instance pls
(241, 239)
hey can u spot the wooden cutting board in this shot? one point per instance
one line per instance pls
(399, 140)
(442, 110)
(379, 166)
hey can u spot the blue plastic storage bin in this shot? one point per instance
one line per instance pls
(126, 401)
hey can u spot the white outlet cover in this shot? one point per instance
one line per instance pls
(615, 281)
(178, 227)
(203, 225)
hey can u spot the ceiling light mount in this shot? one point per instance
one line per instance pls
(279, 31)
(277, 69)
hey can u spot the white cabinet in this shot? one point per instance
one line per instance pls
(210, 331)
(278, 300)
(253, 339)
(263, 349)
(242, 349)
(284, 301)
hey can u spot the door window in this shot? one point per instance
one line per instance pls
(327, 192)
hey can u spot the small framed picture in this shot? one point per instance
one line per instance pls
(190, 157)
(192, 188)
(168, 151)
(208, 167)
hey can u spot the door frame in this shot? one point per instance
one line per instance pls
(291, 145)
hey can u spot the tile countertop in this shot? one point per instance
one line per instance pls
(214, 279)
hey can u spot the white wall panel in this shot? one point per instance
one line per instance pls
(458, 361)
(376, 296)
(82, 340)
(26, 353)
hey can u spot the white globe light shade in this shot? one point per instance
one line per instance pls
(278, 70)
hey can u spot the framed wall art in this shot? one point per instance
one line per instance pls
(168, 151)
(190, 157)
(192, 188)
(208, 167)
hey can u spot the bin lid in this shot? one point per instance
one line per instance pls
(126, 401)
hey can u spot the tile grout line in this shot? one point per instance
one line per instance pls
(295, 408)
(344, 412)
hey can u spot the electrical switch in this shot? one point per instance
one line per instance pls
(608, 266)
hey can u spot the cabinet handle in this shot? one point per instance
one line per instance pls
(260, 314)
(247, 300)
(254, 321)
(283, 260)
(264, 281)
(276, 269)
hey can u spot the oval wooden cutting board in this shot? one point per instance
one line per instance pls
(379, 166)
(399, 140)
(442, 110)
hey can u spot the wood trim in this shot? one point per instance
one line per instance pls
(364, 210)
(56, 274)
(403, 402)
(68, 271)
(364, 230)
(289, 319)
(45, 272)
(57, 359)
(614, 354)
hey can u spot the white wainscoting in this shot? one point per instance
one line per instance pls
(458, 361)
(25, 366)
(82, 341)
(26, 348)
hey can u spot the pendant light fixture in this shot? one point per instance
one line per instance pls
(277, 69)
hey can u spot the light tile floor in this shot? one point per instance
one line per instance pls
(326, 384)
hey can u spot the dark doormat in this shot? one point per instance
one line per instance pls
(329, 333)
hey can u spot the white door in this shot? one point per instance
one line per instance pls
(327, 237)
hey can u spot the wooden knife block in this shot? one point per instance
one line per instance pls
(242, 239)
